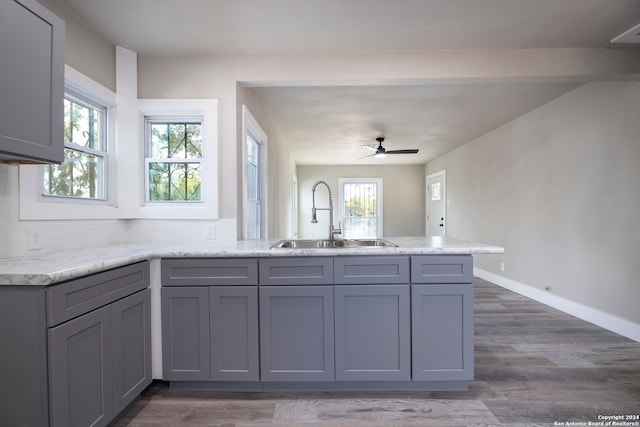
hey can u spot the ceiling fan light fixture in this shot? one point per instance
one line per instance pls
(381, 152)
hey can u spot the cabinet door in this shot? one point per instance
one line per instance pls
(131, 347)
(296, 333)
(372, 332)
(234, 333)
(81, 373)
(442, 328)
(185, 333)
(32, 83)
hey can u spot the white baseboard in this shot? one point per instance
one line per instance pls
(604, 320)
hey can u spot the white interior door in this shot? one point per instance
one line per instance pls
(436, 204)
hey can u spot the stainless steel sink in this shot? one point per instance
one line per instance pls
(348, 243)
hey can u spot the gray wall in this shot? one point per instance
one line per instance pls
(280, 168)
(403, 197)
(558, 188)
(84, 50)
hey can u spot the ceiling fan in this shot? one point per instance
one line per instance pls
(381, 152)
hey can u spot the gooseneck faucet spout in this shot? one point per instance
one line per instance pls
(314, 218)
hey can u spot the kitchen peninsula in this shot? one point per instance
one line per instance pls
(231, 316)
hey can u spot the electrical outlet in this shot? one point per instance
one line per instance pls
(502, 267)
(34, 239)
(211, 232)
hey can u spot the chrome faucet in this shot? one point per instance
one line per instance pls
(314, 219)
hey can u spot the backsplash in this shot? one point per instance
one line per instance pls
(32, 238)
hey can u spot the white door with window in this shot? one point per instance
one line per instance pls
(360, 207)
(436, 204)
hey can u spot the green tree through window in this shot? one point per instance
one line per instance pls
(174, 165)
(82, 173)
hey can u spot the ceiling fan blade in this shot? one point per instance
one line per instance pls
(370, 155)
(409, 151)
(370, 147)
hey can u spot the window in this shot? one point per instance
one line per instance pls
(254, 179)
(253, 188)
(174, 158)
(82, 175)
(361, 202)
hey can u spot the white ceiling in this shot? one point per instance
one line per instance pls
(328, 124)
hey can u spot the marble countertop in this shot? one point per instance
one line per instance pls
(50, 268)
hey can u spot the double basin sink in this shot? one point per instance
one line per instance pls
(347, 243)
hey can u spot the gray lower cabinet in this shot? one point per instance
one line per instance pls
(372, 332)
(234, 333)
(442, 318)
(442, 332)
(75, 353)
(81, 362)
(372, 318)
(355, 321)
(100, 362)
(131, 343)
(185, 333)
(296, 333)
(210, 319)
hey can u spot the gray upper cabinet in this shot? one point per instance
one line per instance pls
(32, 82)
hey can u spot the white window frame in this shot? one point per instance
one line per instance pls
(250, 126)
(82, 97)
(35, 206)
(207, 109)
(148, 122)
(294, 207)
(379, 200)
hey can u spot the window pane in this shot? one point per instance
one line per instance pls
(83, 124)
(435, 191)
(80, 175)
(176, 140)
(174, 182)
(253, 226)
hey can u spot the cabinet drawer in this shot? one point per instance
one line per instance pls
(209, 271)
(296, 271)
(371, 269)
(76, 297)
(442, 269)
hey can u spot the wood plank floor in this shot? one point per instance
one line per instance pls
(535, 366)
